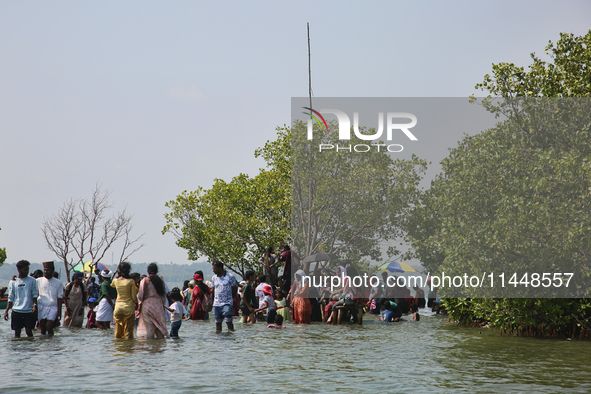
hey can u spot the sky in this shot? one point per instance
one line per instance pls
(148, 99)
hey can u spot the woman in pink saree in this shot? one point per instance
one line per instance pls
(152, 298)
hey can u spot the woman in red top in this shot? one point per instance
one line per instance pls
(199, 292)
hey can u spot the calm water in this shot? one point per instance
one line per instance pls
(425, 356)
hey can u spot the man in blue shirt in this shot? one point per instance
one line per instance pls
(22, 298)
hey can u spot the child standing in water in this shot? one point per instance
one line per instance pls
(268, 304)
(178, 311)
(281, 304)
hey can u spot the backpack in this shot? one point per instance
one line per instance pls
(207, 303)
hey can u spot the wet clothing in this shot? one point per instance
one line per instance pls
(282, 309)
(76, 299)
(152, 322)
(197, 296)
(50, 290)
(124, 312)
(223, 289)
(21, 293)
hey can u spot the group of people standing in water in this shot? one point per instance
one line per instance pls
(129, 299)
(256, 297)
(144, 302)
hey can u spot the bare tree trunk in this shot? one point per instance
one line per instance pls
(80, 226)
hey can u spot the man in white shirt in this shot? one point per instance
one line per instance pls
(51, 294)
(224, 289)
(258, 291)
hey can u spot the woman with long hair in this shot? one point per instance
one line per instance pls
(152, 298)
(302, 309)
(199, 292)
(124, 312)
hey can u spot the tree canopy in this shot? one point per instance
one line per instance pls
(348, 202)
(516, 198)
(319, 202)
(518, 195)
(234, 222)
(568, 75)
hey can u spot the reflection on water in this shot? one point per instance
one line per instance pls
(426, 356)
(123, 347)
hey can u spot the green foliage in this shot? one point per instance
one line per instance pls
(342, 203)
(234, 222)
(557, 317)
(2, 255)
(567, 76)
(517, 197)
(348, 202)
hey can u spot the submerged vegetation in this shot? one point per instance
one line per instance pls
(550, 317)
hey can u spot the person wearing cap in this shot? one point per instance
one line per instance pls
(22, 298)
(75, 301)
(198, 298)
(258, 292)
(51, 294)
(92, 287)
(268, 304)
(106, 301)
